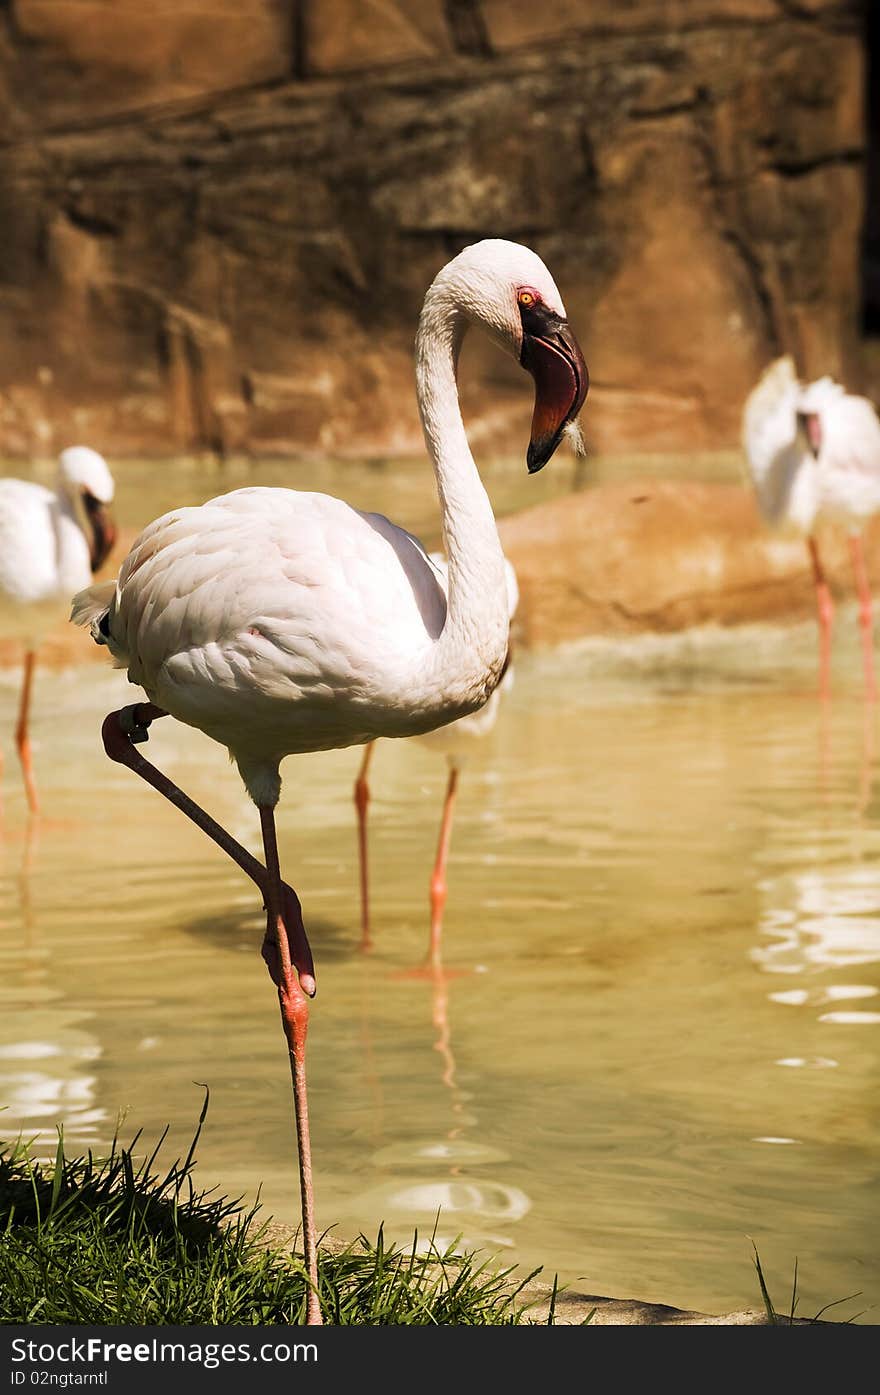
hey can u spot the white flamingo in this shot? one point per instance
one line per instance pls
(46, 556)
(814, 454)
(278, 621)
(454, 741)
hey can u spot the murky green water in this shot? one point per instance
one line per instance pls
(659, 1031)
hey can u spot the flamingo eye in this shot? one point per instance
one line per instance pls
(526, 298)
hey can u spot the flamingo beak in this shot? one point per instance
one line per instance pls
(552, 355)
(103, 530)
(812, 429)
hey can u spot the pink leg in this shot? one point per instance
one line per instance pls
(865, 615)
(286, 948)
(361, 801)
(295, 1021)
(22, 739)
(438, 878)
(825, 608)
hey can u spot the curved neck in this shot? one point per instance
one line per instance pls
(477, 610)
(73, 553)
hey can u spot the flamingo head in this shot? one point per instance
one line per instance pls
(506, 288)
(813, 401)
(85, 475)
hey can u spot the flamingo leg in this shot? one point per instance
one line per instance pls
(294, 1005)
(22, 737)
(286, 948)
(866, 619)
(361, 801)
(825, 610)
(438, 877)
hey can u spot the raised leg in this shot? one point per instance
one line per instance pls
(361, 801)
(438, 877)
(825, 609)
(130, 725)
(865, 615)
(286, 948)
(22, 737)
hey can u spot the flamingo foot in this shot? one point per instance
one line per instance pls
(133, 725)
(299, 949)
(126, 727)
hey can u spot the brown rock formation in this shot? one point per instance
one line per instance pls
(661, 555)
(220, 218)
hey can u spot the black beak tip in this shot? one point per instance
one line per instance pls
(537, 456)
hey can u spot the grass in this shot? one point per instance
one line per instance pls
(776, 1317)
(110, 1241)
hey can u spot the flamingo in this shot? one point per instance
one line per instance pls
(46, 555)
(814, 455)
(454, 740)
(278, 621)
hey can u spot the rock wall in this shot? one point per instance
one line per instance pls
(219, 219)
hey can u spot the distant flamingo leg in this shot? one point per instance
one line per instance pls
(825, 608)
(286, 949)
(866, 619)
(361, 801)
(438, 877)
(22, 738)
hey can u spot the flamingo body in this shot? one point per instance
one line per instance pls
(44, 555)
(278, 621)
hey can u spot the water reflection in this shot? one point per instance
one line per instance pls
(451, 1200)
(828, 767)
(825, 916)
(47, 1067)
(50, 1078)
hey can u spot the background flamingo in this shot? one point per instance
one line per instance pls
(277, 621)
(51, 542)
(454, 740)
(814, 455)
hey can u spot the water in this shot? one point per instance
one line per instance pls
(656, 1036)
